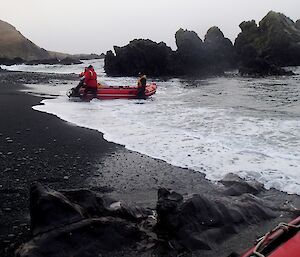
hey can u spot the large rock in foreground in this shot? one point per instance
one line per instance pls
(200, 223)
(82, 223)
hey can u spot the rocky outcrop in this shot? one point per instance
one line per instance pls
(220, 50)
(84, 223)
(297, 24)
(53, 61)
(267, 47)
(200, 223)
(80, 222)
(258, 50)
(190, 53)
(139, 55)
(70, 61)
(6, 61)
(88, 56)
(192, 57)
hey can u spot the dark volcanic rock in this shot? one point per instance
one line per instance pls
(211, 57)
(220, 50)
(86, 224)
(192, 57)
(88, 238)
(6, 61)
(50, 209)
(263, 49)
(139, 55)
(201, 223)
(281, 40)
(237, 186)
(88, 56)
(70, 61)
(80, 222)
(51, 61)
(187, 41)
(190, 52)
(297, 23)
(260, 67)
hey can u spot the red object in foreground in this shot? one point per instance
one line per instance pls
(282, 241)
(119, 92)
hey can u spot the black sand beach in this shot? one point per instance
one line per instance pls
(37, 147)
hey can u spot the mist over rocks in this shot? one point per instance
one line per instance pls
(108, 227)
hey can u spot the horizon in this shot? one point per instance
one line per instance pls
(62, 27)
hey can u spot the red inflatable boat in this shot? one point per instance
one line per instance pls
(282, 241)
(117, 92)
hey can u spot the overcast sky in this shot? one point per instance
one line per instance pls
(94, 26)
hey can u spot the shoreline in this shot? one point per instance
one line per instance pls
(39, 147)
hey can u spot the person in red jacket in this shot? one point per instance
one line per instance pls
(90, 80)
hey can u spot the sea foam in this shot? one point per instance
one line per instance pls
(250, 127)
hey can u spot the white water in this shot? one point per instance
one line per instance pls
(250, 127)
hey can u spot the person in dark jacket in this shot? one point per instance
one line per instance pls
(75, 91)
(141, 85)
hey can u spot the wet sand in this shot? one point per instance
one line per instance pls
(38, 147)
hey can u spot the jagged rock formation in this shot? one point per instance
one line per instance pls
(86, 224)
(264, 48)
(219, 49)
(192, 57)
(81, 223)
(139, 56)
(190, 53)
(258, 50)
(14, 45)
(200, 223)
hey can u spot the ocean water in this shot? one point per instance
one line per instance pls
(247, 126)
